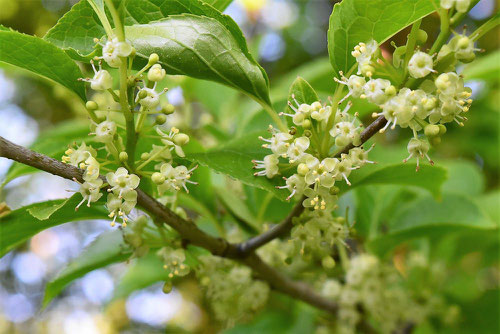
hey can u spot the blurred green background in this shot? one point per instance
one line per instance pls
(288, 38)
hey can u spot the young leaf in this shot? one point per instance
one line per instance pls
(235, 160)
(42, 58)
(355, 21)
(202, 48)
(20, 225)
(45, 213)
(427, 217)
(107, 248)
(302, 91)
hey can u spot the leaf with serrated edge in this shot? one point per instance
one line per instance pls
(19, 225)
(41, 58)
(355, 21)
(107, 248)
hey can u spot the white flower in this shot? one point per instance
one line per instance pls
(174, 261)
(322, 173)
(90, 191)
(269, 165)
(113, 50)
(295, 184)
(359, 156)
(102, 80)
(121, 206)
(175, 178)
(75, 157)
(363, 52)
(121, 182)
(156, 73)
(278, 143)
(418, 148)
(91, 166)
(420, 65)
(374, 91)
(151, 99)
(302, 112)
(169, 140)
(297, 149)
(319, 199)
(105, 131)
(321, 113)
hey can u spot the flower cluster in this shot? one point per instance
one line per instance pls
(84, 157)
(440, 98)
(234, 295)
(314, 237)
(307, 149)
(370, 284)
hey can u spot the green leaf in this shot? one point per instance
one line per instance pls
(52, 142)
(145, 271)
(107, 248)
(249, 76)
(302, 91)
(238, 208)
(427, 217)
(76, 30)
(202, 48)
(355, 21)
(485, 68)
(19, 225)
(464, 177)
(46, 212)
(219, 4)
(235, 160)
(42, 58)
(428, 177)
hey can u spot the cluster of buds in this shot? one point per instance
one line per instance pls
(314, 236)
(233, 294)
(441, 97)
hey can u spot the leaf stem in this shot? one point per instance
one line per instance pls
(269, 109)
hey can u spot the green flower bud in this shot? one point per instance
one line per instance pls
(328, 262)
(435, 141)
(367, 70)
(442, 129)
(334, 190)
(421, 36)
(390, 91)
(302, 169)
(145, 156)
(307, 133)
(91, 105)
(181, 139)
(153, 59)
(158, 178)
(167, 287)
(168, 109)
(306, 124)
(123, 156)
(431, 130)
(142, 94)
(160, 119)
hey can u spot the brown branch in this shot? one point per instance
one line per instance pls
(285, 226)
(187, 229)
